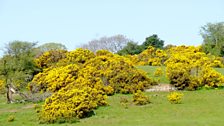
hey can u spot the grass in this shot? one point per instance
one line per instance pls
(150, 72)
(198, 108)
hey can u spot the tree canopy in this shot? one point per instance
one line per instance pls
(213, 38)
(154, 41)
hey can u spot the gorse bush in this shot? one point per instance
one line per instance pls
(69, 103)
(189, 68)
(81, 81)
(175, 97)
(2, 86)
(50, 58)
(151, 56)
(140, 99)
(11, 118)
(119, 73)
(158, 72)
(53, 79)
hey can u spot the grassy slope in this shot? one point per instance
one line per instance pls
(150, 71)
(199, 108)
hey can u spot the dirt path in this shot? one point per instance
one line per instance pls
(161, 87)
(18, 109)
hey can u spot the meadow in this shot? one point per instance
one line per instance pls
(198, 108)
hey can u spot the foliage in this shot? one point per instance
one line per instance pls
(158, 72)
(154, 41)
(50, 46)
(130, 49)
(69, 103)
(2, 86)
(151, 56)
(213, 38)
(50, 58)
(175, 97)
(124, 102)
(11, 118)
(140, 99)
(189, 68)
(119, 73)
(53, 79)
(79, 56)
(17, 66)
(82, 80)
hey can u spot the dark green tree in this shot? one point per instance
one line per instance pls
(130, 49)
(213, 38)
(154, 41)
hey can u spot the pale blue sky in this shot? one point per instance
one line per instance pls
(73, 22)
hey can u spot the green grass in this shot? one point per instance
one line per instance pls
(150, 72)
(198, 108)
(220, 70)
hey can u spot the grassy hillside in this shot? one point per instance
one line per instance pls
(199, 108)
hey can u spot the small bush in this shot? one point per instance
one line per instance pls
(11, 118)
(124, 102)
(158, 72)
(175, 97)
(140, 99)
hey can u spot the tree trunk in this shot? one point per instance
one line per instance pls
(8, 94)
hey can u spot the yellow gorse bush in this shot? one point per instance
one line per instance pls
(158, 72)
(50, 58)
(140, 99)
(175, 97)
(81, 81)
(189, 68)
(2, 86)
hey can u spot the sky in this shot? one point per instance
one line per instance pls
(75, 22)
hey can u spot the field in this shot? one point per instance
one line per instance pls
(198, 108)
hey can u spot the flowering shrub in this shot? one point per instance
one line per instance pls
(189, 68)
(81, 81)
(119, 73)
(175, 97)
(2, 86)
(71, 103)
(158, 72)
(56, 78)
(150, 56)
(50, 58)
(140, 99)
(11, 118)
(79, 56)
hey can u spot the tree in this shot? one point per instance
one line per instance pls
(17, 66)
(131, 48)
(51, 46)
(213, 38)
(153, 41)
(112, 44)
